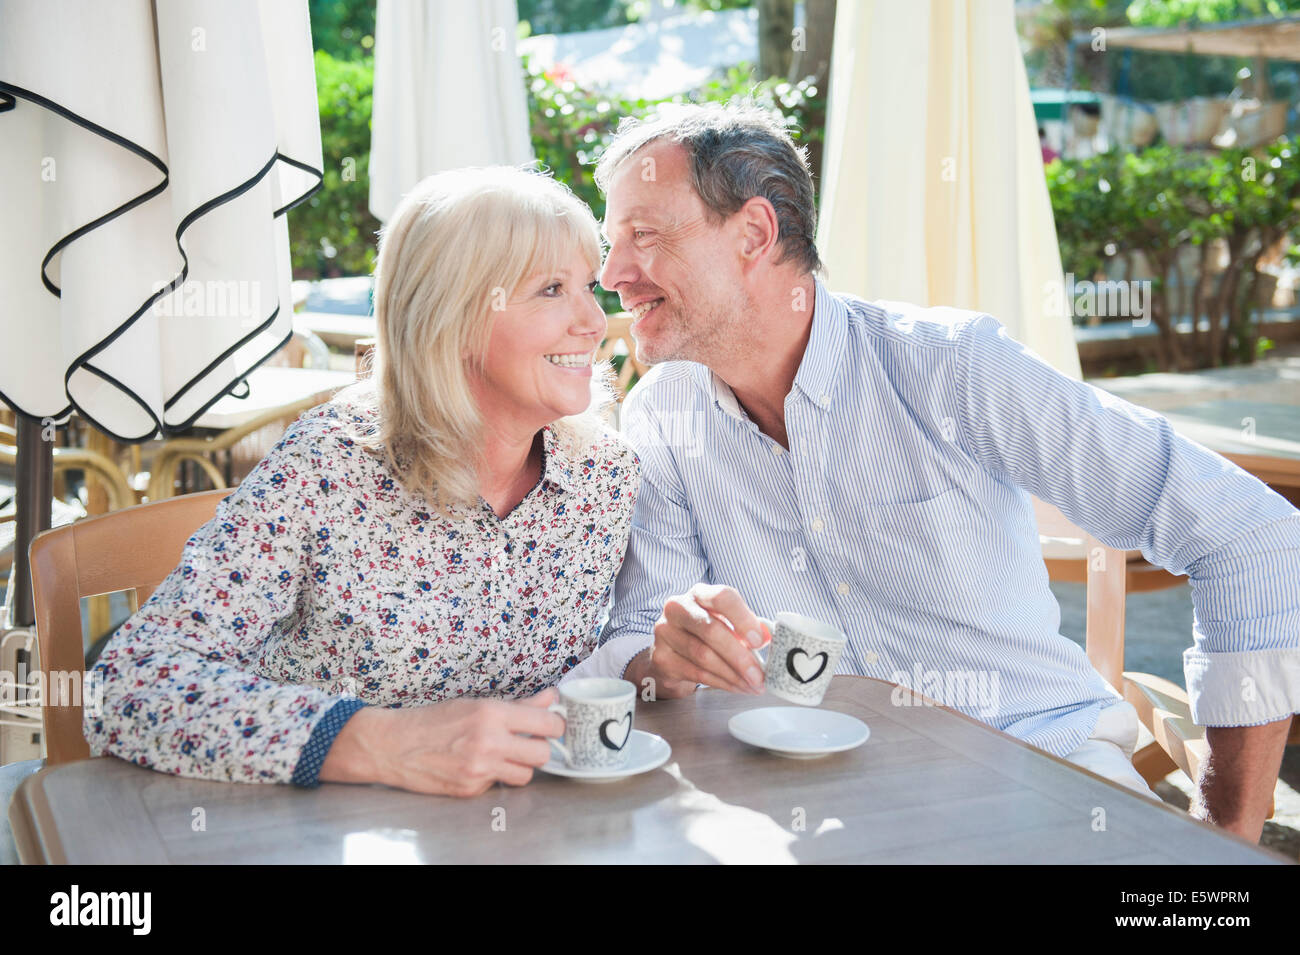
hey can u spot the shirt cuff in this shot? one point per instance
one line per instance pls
(611, 658)
(307, 772)
(1242, 688)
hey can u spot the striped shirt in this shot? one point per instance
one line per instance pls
(901, 513)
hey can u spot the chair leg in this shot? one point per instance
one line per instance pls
(1153, 763)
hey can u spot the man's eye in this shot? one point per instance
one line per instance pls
(639, 233)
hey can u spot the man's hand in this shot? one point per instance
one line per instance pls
(456, 748)
(706, 635)
(1237, 781)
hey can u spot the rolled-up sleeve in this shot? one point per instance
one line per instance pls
(183, 683)
(1121, 473)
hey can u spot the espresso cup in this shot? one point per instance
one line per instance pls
(597, 722)
(801, 658)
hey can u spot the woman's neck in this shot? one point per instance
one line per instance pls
(509, 466)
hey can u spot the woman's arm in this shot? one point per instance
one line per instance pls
(180, 689)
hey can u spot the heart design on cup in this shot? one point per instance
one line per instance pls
(802, 670)
(618, 738)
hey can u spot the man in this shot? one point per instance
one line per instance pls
(870, 465)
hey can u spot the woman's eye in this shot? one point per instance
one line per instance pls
(553, 289)
(591, 286)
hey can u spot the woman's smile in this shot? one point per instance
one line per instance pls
(572, 363)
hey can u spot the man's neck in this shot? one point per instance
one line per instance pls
(763, 375)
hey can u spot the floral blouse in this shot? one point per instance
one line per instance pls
(322, 585)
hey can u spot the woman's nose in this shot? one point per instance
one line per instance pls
(591, 320)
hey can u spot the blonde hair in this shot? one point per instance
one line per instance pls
(458, 244)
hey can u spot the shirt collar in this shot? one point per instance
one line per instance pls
(560, 463)
(821, 358)
(820, 367)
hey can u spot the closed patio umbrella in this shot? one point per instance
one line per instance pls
(148, 153)
(934, 190)
(449, 92)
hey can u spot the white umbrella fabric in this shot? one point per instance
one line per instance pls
(933, 190)
(449, 92)
(148, 153)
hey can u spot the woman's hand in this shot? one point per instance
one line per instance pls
(456, 748)
(706, 635)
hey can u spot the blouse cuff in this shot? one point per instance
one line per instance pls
(1243, 688)
(307, 772)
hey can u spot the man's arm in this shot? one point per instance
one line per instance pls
(1121, 473)
(664, 556)
(1237, 781)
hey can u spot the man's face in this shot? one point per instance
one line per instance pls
(674, 270)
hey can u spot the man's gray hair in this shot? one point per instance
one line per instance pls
(737, 151)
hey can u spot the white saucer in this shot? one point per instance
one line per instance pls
(646, 751)
(799, 732)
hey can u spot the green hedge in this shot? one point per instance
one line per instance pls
(1164, 199)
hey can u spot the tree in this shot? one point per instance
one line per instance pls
(345, 29)
(1172, 13)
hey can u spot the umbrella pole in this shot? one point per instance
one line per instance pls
(35, 488)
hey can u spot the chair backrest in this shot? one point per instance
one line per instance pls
(131, 549)
(1107, 582)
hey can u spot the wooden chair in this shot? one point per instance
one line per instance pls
(264, 431)
(129, 550)
(1163, 707)
(1067, 558)
(97, 467)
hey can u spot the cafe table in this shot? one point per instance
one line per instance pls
(270, 388)
(930, 785)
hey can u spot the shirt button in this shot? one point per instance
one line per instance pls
(776, 448)
(843, 588)
(817, 525)
(870, 657)
(826, 400)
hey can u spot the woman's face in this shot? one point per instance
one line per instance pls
(538, 363)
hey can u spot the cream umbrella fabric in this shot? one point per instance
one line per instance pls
(933, 189)
(148, 153)
(449, 92)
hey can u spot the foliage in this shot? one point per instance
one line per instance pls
(1164, 199)
(1172, 13)
(345, 29)
(333, 233)
(570, 16)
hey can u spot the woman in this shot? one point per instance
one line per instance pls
(448, 529)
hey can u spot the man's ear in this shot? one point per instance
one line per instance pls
(759, 228)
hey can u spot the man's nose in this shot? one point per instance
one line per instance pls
(619, 269)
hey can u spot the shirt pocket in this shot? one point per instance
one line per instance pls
(924, 553)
